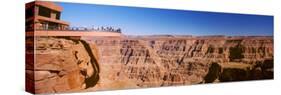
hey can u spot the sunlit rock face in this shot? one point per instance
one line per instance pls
(62, 65)
(66, 64)
(133, 62)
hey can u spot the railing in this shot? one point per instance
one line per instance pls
(56, 28)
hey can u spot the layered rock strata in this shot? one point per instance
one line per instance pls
(62, 65)
(133, 62)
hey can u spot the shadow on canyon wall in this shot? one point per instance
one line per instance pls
(92, 80)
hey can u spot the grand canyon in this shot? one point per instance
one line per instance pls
(71, 64)
(73, 47)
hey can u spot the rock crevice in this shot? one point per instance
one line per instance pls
(63, 65)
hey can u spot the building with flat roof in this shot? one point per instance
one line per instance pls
(43, 19)
(44, 15)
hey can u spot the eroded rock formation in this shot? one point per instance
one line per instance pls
(63, 65)
(103, 63)
(133, 62)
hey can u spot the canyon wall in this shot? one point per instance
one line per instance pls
(133, 62)
(66, 64)
(60, 64)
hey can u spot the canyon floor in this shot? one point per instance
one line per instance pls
(64, 64)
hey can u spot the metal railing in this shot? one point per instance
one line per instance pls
(95, 29)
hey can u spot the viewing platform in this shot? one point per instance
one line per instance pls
(74, 31)
(43, 19)
(71, 33)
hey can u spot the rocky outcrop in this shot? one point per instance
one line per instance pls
(104, 63)
(164, 61)
(63, 65)
(239, 72)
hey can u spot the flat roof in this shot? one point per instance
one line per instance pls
(51, 20)
(49, 4)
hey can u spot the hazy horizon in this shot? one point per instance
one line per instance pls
(151, 21)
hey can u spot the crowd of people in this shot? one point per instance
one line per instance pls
(102, 29)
